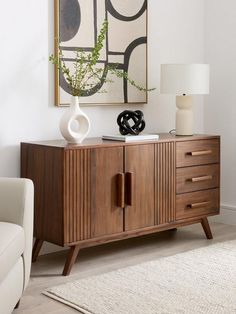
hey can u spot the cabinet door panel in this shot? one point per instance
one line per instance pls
(139, 162)
(107, 217)
(77, 195)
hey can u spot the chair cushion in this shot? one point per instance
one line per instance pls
(12, 243)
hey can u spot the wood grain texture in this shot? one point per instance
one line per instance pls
(206, 228)
(139, 232)
(102, 191)
(129, 187)
(71, 258)
(186, 152)
(36, 249)
(44, 166)
(165, 182)
(98, 142)
(197, 178)
(120, 190)
(189, 205)
(107, 217)
(77, 191)
(139, 162)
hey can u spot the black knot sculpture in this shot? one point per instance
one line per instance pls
(131, 122)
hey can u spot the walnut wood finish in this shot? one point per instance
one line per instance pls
(36, 249)
(139, 165)
(200, 153)
(197, 204)
(206, 228)
(45, 167)
(121, 190)
(77, 195)
(129, 182)
(139, 232)
(71, 258)
(107, 217)
(202, 178)
(104, 191)
(165, 183)
(197, 178)
(98, 142)
(197, 152)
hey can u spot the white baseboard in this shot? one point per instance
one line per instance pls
(227, 215)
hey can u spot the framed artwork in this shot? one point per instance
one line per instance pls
(77, 25)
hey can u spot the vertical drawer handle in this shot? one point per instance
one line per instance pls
(200, 153)
(197, 205)
(202, 178)
(121, 190)
(129, 180)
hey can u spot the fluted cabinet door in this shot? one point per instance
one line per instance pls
(77, 195)
(140, 177)
(165, 186)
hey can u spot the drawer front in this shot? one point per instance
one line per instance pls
(197, 178)
(197, 204)
(197, 152)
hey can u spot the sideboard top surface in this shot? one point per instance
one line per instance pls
(98, 142)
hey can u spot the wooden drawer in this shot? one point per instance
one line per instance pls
(197, 204)
(197, 178)
(197, 152)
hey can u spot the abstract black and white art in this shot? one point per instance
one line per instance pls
(78, 24)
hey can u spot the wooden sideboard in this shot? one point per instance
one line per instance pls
(104, 191)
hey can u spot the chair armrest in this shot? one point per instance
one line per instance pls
(16, 206)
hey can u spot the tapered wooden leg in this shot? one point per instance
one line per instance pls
(36, 249)
(71, 258)
(206, 228)
(17, 305)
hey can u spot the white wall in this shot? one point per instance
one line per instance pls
(220, 106)
(176, 34)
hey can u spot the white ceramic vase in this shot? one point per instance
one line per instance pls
(74, 114)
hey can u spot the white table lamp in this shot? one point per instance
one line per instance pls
(184, 80)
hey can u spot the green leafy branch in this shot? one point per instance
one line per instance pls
(86, 72)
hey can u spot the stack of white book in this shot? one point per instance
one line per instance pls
(131, 138)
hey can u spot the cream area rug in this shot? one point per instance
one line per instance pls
(202, 281)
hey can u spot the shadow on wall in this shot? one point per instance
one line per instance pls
(51, 79)
(10, 161)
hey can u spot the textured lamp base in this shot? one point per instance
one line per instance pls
(184, 115)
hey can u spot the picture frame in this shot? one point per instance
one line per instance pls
(72, 31)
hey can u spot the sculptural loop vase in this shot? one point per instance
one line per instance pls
(74, 114)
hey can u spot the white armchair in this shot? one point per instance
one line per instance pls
(16, 236)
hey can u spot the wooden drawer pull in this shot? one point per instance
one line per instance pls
(200, 153)
(121, 190)
(198, 179)
(197, 205)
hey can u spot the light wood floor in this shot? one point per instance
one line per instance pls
(46, 271)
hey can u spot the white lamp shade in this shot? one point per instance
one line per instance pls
(189, 79)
